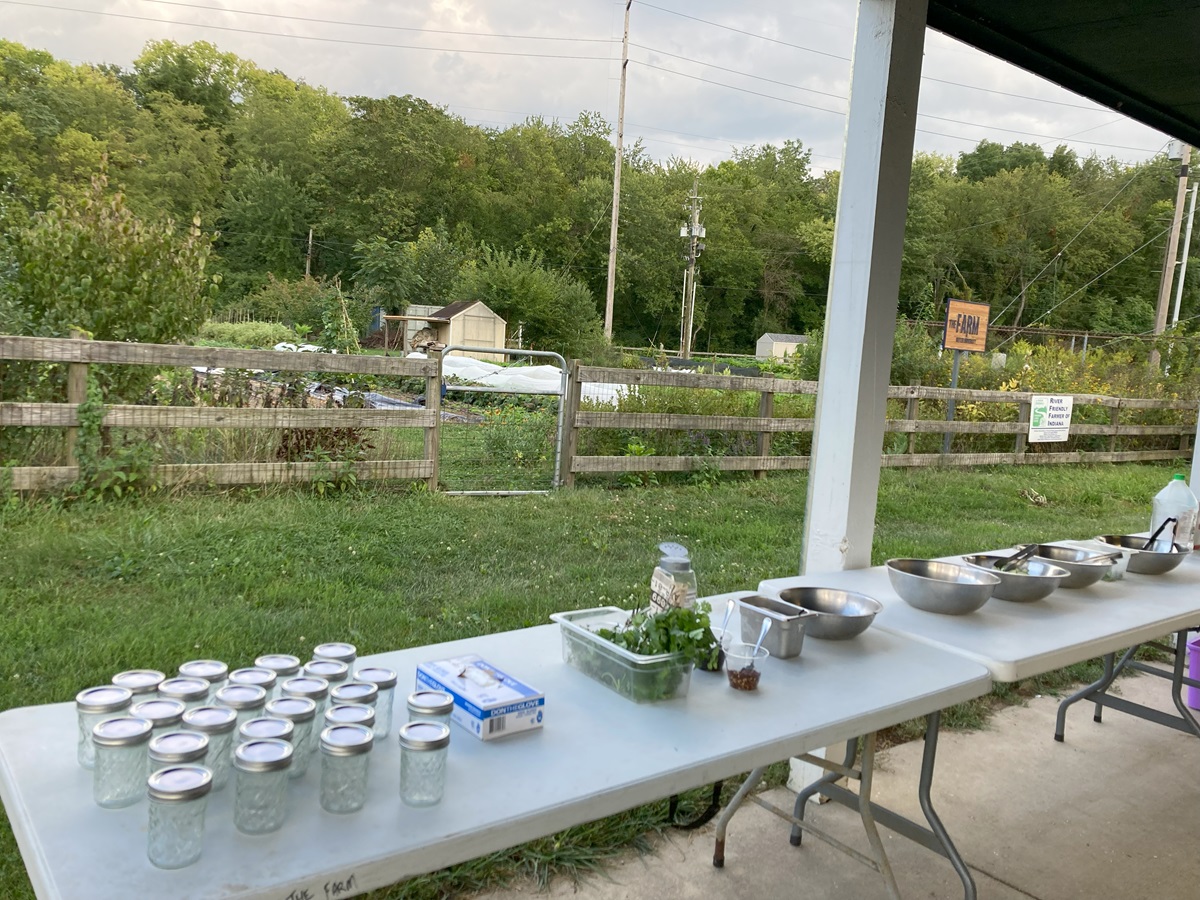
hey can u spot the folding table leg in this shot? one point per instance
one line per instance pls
(928, 757)
(1110, 672)
(868, 818)
(748, 785)
(805, 795)
(1189, 718)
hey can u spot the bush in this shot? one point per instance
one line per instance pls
(252, 335)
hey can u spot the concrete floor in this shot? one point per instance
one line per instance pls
(1113, 811)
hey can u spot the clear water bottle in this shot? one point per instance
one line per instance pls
(1176, 501)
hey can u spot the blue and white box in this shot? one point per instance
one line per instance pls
(487, 702)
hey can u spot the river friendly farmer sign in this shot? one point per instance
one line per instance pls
(1049, 418)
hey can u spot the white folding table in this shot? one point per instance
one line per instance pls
(598, 754)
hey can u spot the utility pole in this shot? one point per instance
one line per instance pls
(693, 231)
(1187, 243)
(308, 256)
(1164, 284)
(611, 287)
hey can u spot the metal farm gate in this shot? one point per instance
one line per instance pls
(502, 440)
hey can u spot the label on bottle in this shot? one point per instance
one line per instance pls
(665, 592)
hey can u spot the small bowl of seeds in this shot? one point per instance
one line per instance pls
(743, 665)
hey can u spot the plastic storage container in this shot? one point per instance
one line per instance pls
(1176, 501)
(786, 637)
(178, 797)
(673, 582)
(642, 679)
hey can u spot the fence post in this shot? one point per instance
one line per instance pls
(77, 377)
(912, 411)
(1114, 418)
(766, 409)
(433, 433)
(1024, 410)
(570, 444)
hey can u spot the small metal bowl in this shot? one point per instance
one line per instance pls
(838, 614)
(1033, 579)
(1161, 557)
(1086, 566)
(941, 587)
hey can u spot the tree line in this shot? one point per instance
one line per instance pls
(394, 200)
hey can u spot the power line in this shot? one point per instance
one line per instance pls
(737, 72)
(305, 37)
(761, 37)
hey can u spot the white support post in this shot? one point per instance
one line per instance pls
(860, 317)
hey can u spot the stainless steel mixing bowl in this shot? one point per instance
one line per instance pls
(1163, 556)
(1086, 566)
(1033, 579)
(941, 587)
(838, 614)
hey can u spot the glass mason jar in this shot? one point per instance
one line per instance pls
(247, 699)
(284, 665)
(345, 761)
(178, 797)
(192, 691)
(140, 681)
(260, 802)
(385, 680)
(266, 727)
(213, 671)
(119, 778)
(430, 706)
(93, 706)
(263, 678)
(217, 723)
(331, 670)
(164, 715)
(350, 714)
(361, 692)
(337, 650)
(177, 748)
(302, 713)
(310, 687)
(423, 749)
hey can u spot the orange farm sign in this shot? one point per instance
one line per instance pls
(966, 326)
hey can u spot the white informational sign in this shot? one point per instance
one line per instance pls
(1050, 418)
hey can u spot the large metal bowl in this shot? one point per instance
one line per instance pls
(1033, 579)
(941, 587)
(1086, 566)
(1161, 557)
(838, 614)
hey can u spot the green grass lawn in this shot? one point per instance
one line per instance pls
(87, 591)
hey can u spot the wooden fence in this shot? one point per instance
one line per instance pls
(78, 355)
(578, 419)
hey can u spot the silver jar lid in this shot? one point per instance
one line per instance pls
(424, 736)
(346, 740)
(211, 670)
(161, 712)
(242, 696)
(178, 783)
(267, 755)
(310, 686)
(384, 678)
(264, 678)
(329, 669)
(355, 692)
(431, 703)
(266, 727)
(297, 709)
(103, 699)
(350, 714)
(282, 664)
(178, 747)
(186, 689)
(211, 719)
(139, 681)
(339, 650)
(123, 731)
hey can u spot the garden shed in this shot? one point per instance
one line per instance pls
(773, 345)
(470, 323)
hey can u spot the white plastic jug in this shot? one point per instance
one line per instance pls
(1176, 501)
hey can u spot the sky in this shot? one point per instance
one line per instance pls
(705, 78)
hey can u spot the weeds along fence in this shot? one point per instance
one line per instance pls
(709, 424)
(207, 416)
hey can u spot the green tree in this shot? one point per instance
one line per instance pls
(421, 271)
